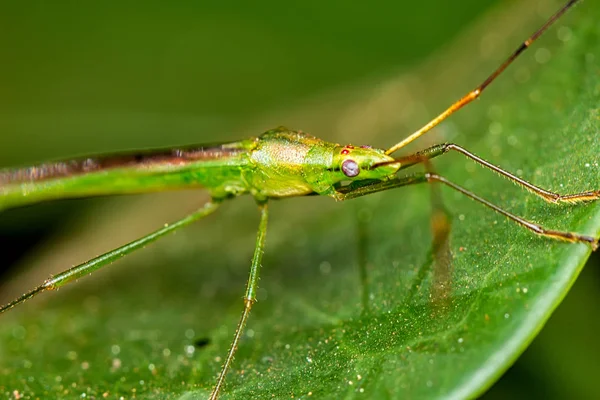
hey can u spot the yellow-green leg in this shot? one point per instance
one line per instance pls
(61, 279)
(249, 298)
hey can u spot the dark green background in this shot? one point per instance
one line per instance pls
(115, 75)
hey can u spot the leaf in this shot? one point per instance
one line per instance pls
(345, 306)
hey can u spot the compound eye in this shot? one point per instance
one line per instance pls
(350, 168)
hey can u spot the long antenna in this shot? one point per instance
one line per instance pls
(472, 95)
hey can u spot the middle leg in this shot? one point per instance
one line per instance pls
(249, 298)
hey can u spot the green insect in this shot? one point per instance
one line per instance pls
(277, 164)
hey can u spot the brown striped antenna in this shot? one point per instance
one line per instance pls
(475, 93)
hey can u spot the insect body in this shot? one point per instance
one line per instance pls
(278, 164)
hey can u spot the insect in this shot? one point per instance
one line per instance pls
(278, 164)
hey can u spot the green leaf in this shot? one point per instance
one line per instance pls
(345, 307)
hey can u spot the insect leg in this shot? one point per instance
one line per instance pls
(249, 297)
(550, 197)
(475, 93)
(61, 279)
(353, 191)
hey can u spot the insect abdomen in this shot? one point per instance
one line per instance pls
(217, 168)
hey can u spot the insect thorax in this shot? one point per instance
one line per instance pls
(281, 163)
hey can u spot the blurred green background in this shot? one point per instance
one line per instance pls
(102, 76)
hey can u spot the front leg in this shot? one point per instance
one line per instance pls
(363, 188)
